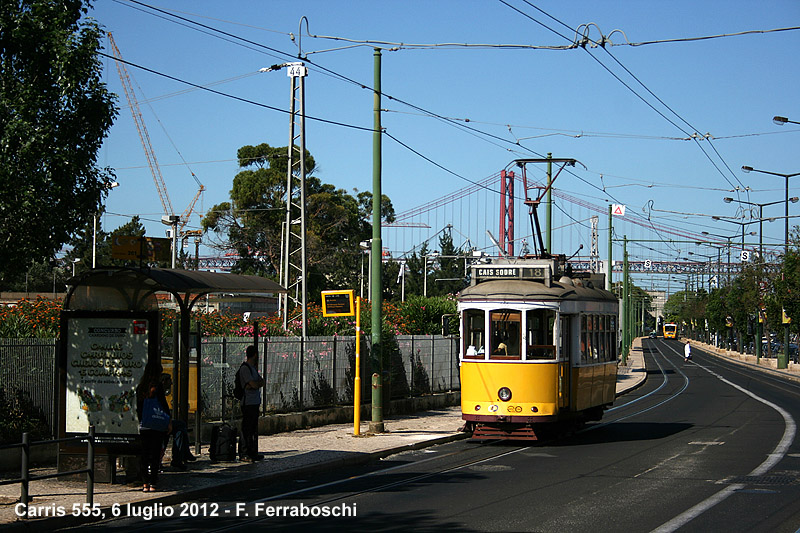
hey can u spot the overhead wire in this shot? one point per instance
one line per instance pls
(627, 86)
(449, 120)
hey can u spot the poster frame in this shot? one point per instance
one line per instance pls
(107, 442)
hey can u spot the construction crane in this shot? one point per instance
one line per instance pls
(152, 162)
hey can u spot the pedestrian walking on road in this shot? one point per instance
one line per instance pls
(687, 351)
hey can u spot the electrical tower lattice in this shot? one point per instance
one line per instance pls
(293, 249)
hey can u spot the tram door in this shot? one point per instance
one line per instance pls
(564, 372)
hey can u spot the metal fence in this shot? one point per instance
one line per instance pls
(28, 373)
(319, 371)
(300, 373)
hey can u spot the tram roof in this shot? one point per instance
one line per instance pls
(531, 290)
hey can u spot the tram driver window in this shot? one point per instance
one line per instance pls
(505, 334)
(474, 338)
(539, 328)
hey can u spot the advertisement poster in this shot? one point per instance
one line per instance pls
(105, 362)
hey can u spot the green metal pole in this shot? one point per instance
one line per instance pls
(376, 296)
(625, 302)
(609, 276)
(759, 330)
(783, 359)
(549, 204)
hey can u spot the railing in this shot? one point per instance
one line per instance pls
(28, 374)
(26, 478)
(300, 373)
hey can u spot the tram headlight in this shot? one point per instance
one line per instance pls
(504, 394)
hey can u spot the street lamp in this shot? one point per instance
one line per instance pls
(728, 246)
(742, 224)
(172, 220)
(75, 262)
(761, 207)
(783, 361)
(759, 332)
(780, 121)
(709, 258)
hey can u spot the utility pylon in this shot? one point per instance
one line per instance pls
(293, 249)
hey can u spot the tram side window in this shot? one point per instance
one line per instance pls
(539, 331)
(474, 334)
(598, 338)
(586, 349)
(566, 338)
(601, 337)
(505, 334)
(612, 333)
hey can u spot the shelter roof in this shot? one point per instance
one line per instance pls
(135, 288)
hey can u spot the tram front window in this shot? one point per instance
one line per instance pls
(505, 334)
(474, 338)
(539, 328)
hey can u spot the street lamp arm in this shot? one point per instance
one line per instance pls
(780, 121)
(746, 168)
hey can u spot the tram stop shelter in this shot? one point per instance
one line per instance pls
(110, 329)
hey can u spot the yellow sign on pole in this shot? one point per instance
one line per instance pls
(132, 248)
(126, 247)
(338, 303)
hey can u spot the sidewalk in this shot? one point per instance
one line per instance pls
(633, 373)
(766, 364)
(288, 455)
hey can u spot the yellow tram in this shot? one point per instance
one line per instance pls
(539, 348)
(670, 331)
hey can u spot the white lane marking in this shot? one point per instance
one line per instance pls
(772, 459)
(672, 397)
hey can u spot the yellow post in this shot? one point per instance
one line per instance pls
(357, 381)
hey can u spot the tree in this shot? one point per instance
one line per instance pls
(787, 285)
(55, 112)
(450, 272)
(250, 225)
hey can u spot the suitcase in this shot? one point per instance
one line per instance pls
(223, 443)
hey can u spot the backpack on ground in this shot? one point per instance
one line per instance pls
(223, 443)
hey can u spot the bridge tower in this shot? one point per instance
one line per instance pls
(507, 212)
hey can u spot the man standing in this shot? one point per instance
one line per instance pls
(251, 381)
(687, 351)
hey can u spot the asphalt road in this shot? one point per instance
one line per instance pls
(706, 445)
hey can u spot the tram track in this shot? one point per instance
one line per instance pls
(661, 356)
(664, 384)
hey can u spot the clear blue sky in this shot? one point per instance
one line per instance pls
(561, 101)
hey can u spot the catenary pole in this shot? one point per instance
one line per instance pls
(376, 426)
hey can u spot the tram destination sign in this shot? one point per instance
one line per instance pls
(511, 272)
